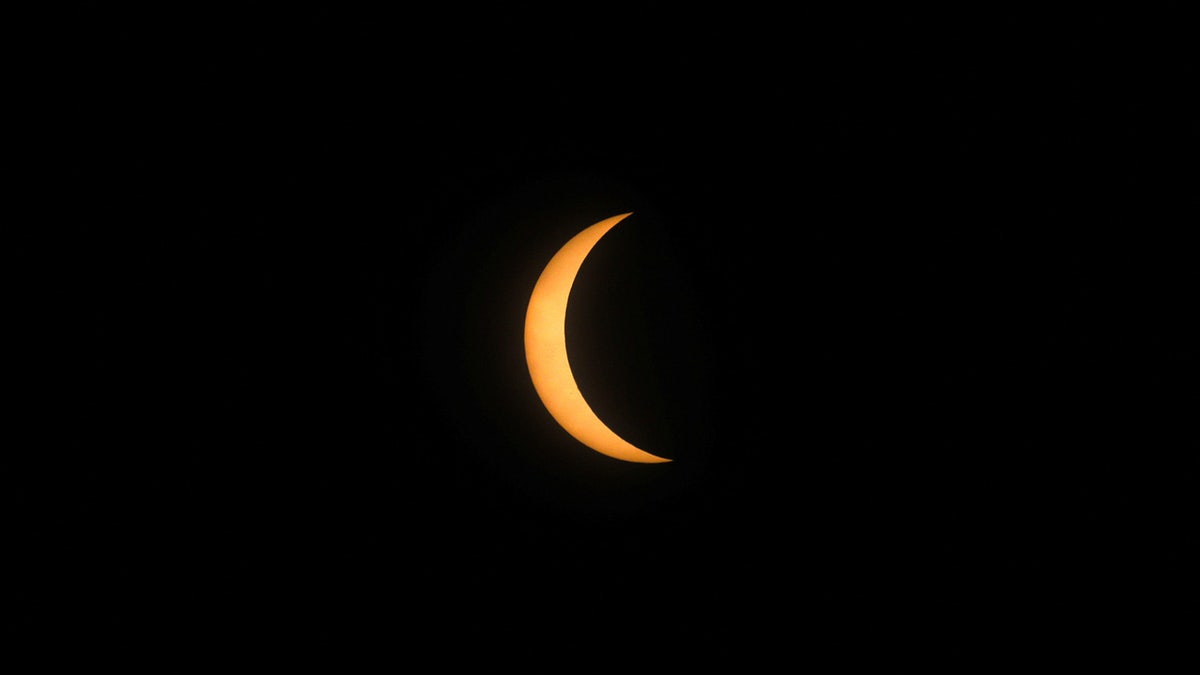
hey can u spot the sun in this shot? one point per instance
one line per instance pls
(546, 350)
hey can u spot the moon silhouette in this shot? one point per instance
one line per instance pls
(546, 350)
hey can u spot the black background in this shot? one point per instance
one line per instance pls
(904, 296)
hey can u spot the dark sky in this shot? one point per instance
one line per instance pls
(904, 297)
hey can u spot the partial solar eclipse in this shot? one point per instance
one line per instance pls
(546, 350)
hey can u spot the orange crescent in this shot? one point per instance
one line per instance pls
(546, 350)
